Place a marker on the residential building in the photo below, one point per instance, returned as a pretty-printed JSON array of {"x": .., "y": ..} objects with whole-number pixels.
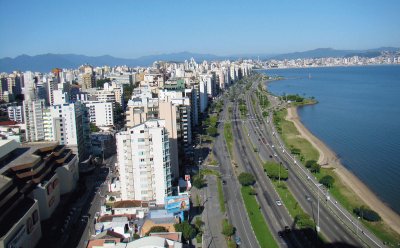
[
  {"x": 144, "y": 162},
  {"x": 33, "y": 116},
  {"x": 15, "y": 113},
  {"x": 32, "y": 178},
  {"x": 101, "y": 113}
]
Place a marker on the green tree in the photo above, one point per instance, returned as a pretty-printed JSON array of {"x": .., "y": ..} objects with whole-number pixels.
[
  {"x": 304, "y": 221},
  {"x": 315, "y": 168},
  {"x": 100, "y": 82},
  {"x": 157, "y": 229},
  {"x": 118, "y": 115},
  {"x": 295, "y": 151},
  {"x": 188, "y": 231},
  {"x": 367, "y": 214},
  {"x": 93, "y": 128},
  {"x": 199, "y": 181},
  {"x": 227, "y": 229},
  {"x": 328, "y": 181},
  {"x": 275, "y": 171},
  {"x": 198, "y": 223},
  {"x": 310, "y": 163},
  {"x": 246, "y": 179},
  {"x": 212, "y": 131}
]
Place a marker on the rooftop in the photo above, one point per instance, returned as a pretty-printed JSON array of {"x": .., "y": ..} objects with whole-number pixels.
[
  {"x": 28, "y": 156},
  {"x": 17, "y": 212},
  {"x": 130, "y": 204}
]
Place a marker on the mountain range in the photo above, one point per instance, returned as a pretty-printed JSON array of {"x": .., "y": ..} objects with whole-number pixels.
[{"x": 46, "y": 62}]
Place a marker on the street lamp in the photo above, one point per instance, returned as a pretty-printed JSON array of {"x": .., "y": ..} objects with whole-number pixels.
[
  {"x": 280, "y": 164},
  {"x": 318, "y": 226}
]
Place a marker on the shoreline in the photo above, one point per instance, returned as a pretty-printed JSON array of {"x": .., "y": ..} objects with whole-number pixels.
[{"x": 327, "y": 158}]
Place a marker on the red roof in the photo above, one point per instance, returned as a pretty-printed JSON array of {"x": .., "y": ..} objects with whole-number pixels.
[{"x": 8, "y": 123}]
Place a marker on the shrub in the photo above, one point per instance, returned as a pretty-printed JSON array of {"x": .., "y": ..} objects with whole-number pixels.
[
  {"x": 246, "y": 179},
  {"x": 310, "y": 163},
  {"x": 304, "y": 221},
  {"x": 273, "y": 171},
  {"x": 367, "y": 214},
  {"x": 227, "y": 229},
  {"x": 198, "y": 181},
  {"x": 188, "y": 231},
  {"x": 157, "y": 229},
  {"x": 327, "y": 181}
]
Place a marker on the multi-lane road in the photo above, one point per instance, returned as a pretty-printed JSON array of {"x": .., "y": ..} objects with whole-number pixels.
[{"x": 335, "y": 229}]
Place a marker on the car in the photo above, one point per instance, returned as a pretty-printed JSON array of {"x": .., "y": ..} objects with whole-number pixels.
[
  {"x": 275, "y": 155},
  {"x": 278, "y": 202},
  {"x": 280, "y": 233},
  {"x": 238, "y": 241},
  {"x": 287, "y": 229},
  {"x": 272, "y": 146},
  {"x": 223, "y": 182}
]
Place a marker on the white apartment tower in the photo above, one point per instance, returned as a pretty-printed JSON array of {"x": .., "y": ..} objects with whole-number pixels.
[
  {"x": 101, "y": 113},
  {"x": 33, "y": 116},
  {"x": 144, "y": 162},
  {"x": 15, "y": 113}
]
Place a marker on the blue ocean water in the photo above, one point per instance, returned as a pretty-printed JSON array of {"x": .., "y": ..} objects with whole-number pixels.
[{"x": 358, "y": 117}]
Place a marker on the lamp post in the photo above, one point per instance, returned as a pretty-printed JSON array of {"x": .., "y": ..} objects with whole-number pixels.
[
  {"x": 318, "y": 226},
  {"x": 102, "y": 148}
]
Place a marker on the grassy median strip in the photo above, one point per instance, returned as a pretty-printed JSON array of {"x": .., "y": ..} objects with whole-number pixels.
[
  {"x": 219, "y": 185},
  {"x": 228, "y": 137},
  {"x": 302, "y": 219},
  {"x": 260, "y": 227},
  {"x": 347, "y": 197},
  {"x": 221, "y": 196}
]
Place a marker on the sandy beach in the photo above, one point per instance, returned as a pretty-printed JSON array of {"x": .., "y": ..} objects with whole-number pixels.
[{"x": 328, "y": 158}]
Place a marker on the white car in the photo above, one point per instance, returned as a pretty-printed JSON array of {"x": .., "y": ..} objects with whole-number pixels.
[{"x": 278, "y": 202}]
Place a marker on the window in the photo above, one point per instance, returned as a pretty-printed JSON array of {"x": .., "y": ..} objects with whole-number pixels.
[
  {"x": 35, "y": 216},
  {"x": 141, "y": 131},
  {"x": 29, "y": 225},
  {"x": 140, "y": 139},
  {"x": 49, "y": 188}
]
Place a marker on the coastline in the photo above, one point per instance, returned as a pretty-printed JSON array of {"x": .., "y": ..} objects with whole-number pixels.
[{"x": 327, "y": 158}]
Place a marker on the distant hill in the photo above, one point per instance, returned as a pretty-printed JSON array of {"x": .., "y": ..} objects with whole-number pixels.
[
  {"x": 330, "y": 52},
  {"x": 46, "y": 62}
]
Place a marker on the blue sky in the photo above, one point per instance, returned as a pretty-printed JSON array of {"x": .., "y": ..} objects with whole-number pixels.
[{"x": 132, "y": 28}]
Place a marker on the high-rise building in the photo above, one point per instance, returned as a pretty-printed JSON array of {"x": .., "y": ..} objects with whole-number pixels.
[
  {"x": 15, "y": 113},
  {"x": 101, "y": 113},
  {"x": 75, "y": 129},
  {"x": 88, "y": 81},
  {"x": 143, "y": 155},
  {"x": 33, "y": 176},
  {"x": 33, "y": 116}
]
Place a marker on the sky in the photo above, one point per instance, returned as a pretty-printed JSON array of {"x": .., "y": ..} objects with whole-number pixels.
[{"x": 134, "y": 28}]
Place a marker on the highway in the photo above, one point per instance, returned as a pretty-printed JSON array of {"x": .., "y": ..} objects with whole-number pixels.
[
  {"x": 301, "y": 183},
  {"x": 236, "y": 211},
  {"x": 276, "y": 216}
]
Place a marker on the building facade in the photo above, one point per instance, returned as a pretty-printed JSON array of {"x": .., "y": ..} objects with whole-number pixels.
[{"x": 144, "y": 162}]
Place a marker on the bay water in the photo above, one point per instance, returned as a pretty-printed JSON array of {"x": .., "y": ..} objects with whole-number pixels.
[{"x": 358, "y": 117}]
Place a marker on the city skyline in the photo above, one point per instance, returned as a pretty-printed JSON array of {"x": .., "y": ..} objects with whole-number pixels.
[{"x": 134, "y": 29}]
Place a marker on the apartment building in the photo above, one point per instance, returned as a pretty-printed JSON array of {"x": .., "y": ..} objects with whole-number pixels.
[{"x": 143, "y": 155}]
